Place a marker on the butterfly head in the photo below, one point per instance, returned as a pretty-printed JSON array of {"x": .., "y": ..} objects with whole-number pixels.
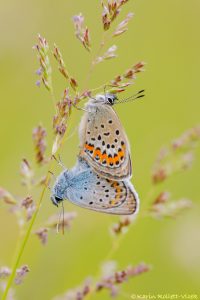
[
  {"x": 108, "y": 98},
  {"x": 59, "y": 188}
]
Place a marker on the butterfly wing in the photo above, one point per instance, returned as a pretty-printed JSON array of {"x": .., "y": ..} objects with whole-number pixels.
[
  {"x": 104, "y": 144},
  {"x": 88, "y": 190}
]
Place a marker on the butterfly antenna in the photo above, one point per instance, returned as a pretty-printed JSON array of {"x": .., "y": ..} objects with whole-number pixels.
[
  {"x": 58, "y": 223},
  {"x": 63, "y": 219},
  {"x": 52, "y": 174},
  {"x": 138, "y": 95},
  {"x": 104, "y": 90}
]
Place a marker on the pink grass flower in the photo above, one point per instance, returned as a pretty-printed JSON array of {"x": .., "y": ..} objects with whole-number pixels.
[
  {"x": 82, "y": 32},
  {"x": 7, "y": 197},
  {"x": 21, "y": 273},
  {"x": 44, "y": 71},
  {"x": 39, "y": 141},
  {"x": 42, "y": 234},
  {"x": 111, "y": 9},
  {"x": 123, "y": 26},
  {"x": 29, "y": 205}
]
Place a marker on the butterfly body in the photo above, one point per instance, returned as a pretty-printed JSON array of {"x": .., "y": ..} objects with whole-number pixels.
[
  {"x": 103, "y": 142},
  {"x": 83, "y": 187}
]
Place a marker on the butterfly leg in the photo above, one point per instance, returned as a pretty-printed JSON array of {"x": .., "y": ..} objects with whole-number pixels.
[
  {"x": 49, "y": 181},
  {"x": 59, "y": 161},
  {"x": 79, "y": 108}
]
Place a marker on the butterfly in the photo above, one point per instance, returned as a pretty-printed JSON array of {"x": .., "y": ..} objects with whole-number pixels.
[
  {"x": 103, "y": 141},
  {"x": 83, "y": 187}
]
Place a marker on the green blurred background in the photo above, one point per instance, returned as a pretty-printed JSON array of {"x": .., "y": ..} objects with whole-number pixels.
[{"x": 164, "y": 34}]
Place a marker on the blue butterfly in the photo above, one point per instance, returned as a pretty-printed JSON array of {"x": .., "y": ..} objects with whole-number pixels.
[{"x": 83, "y": 187}]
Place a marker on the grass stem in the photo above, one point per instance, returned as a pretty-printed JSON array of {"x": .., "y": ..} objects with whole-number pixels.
[{"x": 26, "y": 238}]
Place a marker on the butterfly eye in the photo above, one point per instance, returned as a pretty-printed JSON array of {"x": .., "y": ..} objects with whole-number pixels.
[
  {"x": 110, "y": 100},
  {"x": 58, "y": 199}
]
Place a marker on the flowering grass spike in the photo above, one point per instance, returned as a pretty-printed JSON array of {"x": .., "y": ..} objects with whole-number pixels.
[
  {"x": 109, "y": 54},
  {"x": 61, "y": 64},
  {"x": 39, "y": 135},
  {"x": 44, "y": 72},
  {"x": 122, "y": 27},
  {"x": 120, "y": 82},
  {"x": 177, "y": 157},
  {"x": 81, "y": 32},
  {"x": 111, "y": 9}
]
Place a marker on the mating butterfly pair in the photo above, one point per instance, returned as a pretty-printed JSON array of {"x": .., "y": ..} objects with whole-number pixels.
[{"x": 100, "y": 179}]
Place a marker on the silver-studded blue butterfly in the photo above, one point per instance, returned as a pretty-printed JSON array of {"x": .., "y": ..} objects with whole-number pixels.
[
  {"x": 103, "y": 141},
  {"x": 83, "y": 187}
]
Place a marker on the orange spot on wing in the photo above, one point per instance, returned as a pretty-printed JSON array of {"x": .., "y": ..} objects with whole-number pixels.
[
  {"x": 97, "y": 152},
  {"x": 115, "y": 184},
  {"x": 103, "y": 157},
  {"x": 120, "y": 153},
  {"x": 118, "y": 192},
  {"x": 116, "y": 158},
  {"x": 88, "y": 147},
  {"x": 113, "y": 202},
  {"x": 110, "y": 159},
  {"x": 124, "y": 146}
]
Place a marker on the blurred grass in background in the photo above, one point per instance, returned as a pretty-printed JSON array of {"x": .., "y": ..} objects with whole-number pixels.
[{"x": 165, "y": 34}]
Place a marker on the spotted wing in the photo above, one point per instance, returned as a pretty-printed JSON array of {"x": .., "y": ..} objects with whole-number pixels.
[
  {"x": 89, "y": 190},
  {"x": 104, "y": 144}
]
